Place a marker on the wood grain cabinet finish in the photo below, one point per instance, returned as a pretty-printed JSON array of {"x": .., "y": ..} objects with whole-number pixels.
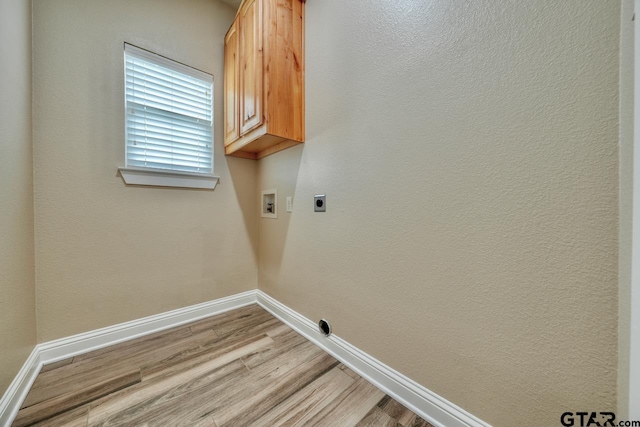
[
  {"x": 231, "y": 86},
  {"x": 264, "y": 78}
]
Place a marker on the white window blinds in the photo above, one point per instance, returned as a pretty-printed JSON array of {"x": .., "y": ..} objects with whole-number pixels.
[{"x": 169, "y": 114}]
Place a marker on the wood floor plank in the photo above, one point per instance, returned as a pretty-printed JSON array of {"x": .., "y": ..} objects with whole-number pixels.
[
  {"x": 52, "y": 407},
  {"x": 349, "y": 372},
  {"x": 419, "y": 422},
  {"x": 307, "y": 402},
  {"x": 191, "y": 402},
  {"x": 250, "y": 314},
  {"x": 74, "y": 418},
  {"x": 79, "y": 375},
  {"x": 248, "y": 326},
  {"x": 287, "y": 361},
  {"x": 241, "y": 368},
  {"x": 350, "y": 407},
  {"x": 283, "y": 343},
  {"x": 186, "y": 360},
  {"x": 150, "y": 389},
  {"x": 56, "y": 365},
  {"x": 272, "y": 392},
  {"x": 377, "y": 418},
  {"x": 171, "y": 406},
  {"x": 404, "y": 416},
  {"x": 137, "y": 345},
  {"x": 168, "y": 406},
  {"x": 103, "y": 357},
  {"x": 209, "y": 350},
  {"x": 282, "y": 329}
]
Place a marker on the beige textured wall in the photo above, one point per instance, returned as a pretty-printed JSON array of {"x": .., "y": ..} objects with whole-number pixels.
[
  {"x": 469, "y": 155},
  {"x": 107, "y": 253},
  {"x": 626, "y": 194},
  {"x": 17, "y": 293}
]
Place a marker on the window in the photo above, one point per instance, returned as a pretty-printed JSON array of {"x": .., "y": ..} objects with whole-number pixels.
[{"x": 169, "y": 122}]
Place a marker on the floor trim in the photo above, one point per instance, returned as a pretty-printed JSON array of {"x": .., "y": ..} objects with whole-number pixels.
[
  {"x": 54, "y": 351},
  {"x": 18, "y": 389},
  {"x": 427, "y": 404},
  {"x": 430, "y": 406}
]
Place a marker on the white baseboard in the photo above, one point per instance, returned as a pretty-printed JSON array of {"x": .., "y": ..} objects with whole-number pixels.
[
  {"x": 54, "y": 351},
  {"x": 431, "y": 407},
  {"x": 18, "y": 389},
  {"x": 425, "y": 403}
]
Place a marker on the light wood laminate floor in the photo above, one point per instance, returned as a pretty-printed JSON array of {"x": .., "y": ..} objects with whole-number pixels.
[{"x": 241, "y": 368}]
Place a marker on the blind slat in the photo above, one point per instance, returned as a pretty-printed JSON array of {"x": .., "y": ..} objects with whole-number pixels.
[
  {"x": 140, "y": 112},
  {"x": 173, "y": 158},
  {"x": 162, "y": 165},
  {"x": 183, "y": 96},
  {"x": 160, "y": 103},
  {"x": 149, "y": 67},
  {"x": 134, "y": 75},
  {"x": 141, "y": 141},
  {"x": 187, "y": 138}
]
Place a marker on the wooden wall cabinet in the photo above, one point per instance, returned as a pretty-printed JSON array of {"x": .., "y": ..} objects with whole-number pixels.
[{"x": 264, "y": 78}]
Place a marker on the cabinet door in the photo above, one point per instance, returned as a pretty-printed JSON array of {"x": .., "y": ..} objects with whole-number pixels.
[
  {"x": 250, "y": 32},
  {"x": 231, "y": 86}
]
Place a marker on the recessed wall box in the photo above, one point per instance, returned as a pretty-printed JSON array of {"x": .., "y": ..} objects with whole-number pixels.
[
  {"x": 269, "y": 204},
  {"x": 320, "y": 203}
]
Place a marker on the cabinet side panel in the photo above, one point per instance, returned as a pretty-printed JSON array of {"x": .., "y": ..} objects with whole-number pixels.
[
  {"x": 231, "y": 87},
  {"x": 285, "y": 69}
]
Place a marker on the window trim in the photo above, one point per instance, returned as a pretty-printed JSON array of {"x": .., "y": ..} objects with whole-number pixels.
[
  {"x": 167, "y": 178},
  {"x": 155, "y": 177}
]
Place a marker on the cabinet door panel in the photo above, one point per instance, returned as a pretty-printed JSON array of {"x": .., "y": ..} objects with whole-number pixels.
[
  {"x": 250, "y": 33},
  {"x": 231, "y": 86}
]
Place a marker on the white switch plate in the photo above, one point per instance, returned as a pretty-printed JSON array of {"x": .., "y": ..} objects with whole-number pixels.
[{"x": 289, "y": 204}]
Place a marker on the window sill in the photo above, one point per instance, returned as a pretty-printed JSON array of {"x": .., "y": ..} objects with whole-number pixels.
[{"x": 167, "y": 178}]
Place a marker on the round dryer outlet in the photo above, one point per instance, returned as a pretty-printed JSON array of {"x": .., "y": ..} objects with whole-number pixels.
[{"x": 325, "y": 327}]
